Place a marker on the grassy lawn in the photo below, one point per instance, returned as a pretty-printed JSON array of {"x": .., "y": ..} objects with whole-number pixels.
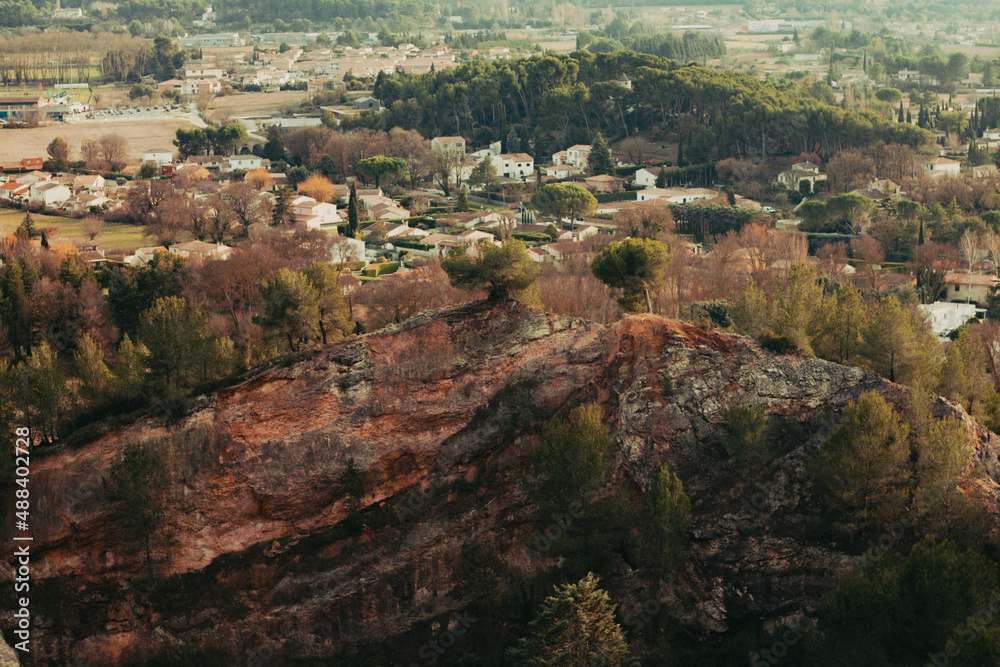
[{"x": 116, "y": 235}]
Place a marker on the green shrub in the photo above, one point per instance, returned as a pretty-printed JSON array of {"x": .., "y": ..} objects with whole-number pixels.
[
  {"x": 748, "y": 441},
  {"x": 777, "y": 344},
  {"x": 380, "y": 269}
]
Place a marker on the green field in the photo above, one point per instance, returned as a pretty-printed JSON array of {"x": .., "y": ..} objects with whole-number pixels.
[{"x": 116, "y": 235}]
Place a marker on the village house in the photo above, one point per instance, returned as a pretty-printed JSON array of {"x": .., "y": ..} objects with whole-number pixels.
[
  {"x": 646, "y": 177},
  {"x": 942, "y": 167},
  {"x": 201, "y": 249},
  {"x": 967, "y": 287},
  {"x": 604, "y": 183},
  {"x": 513, "y": 165},
  {"x": 88, "y": 182},
  {"x": 315, "y": 214},
  {"x": 244, "y": 162},
  {"x": 677, "y": 195},
  {"x": 83, "y": 202},
  {"x": 562, "y": 171},
  {"x": 195, "y": 69},
  {"x": 792, "y": 178},
  {"x": 473, "y": 219},
  {"x": 94, "y": 258},
  {"x": 33, "y": 177},
  {"x": 191, "y": 86},
  {"x": 14, "y": 191},
  {"x": 142, "y": 256},
  {"x": 367, "y": 104},
  {"x": 575, "y": 155},
  {"x": 944, "y": 317},
  {"x": 450, "y": 145},
  {"x": 387, "y": 211},
  {"x": 49, "y": 193},
  {"x": 207, "y": 161}
]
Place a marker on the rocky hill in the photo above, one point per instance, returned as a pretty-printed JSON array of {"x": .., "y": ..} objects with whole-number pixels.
[{"x": 266, "y": 555}]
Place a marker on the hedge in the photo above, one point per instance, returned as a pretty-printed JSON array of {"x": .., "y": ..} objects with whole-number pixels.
[
  {"x": 415, "y": 245},
  {"x": 533, "y": 238},
  {"x": 382, "y": 269},
  {"x": 625, "y": 195}
]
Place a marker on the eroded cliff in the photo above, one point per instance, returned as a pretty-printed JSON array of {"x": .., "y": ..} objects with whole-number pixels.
[{"x": 264, "y": 553}]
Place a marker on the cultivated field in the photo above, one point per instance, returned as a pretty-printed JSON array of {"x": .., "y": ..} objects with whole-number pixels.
[
  {"x": 115, "y": 236},
  {"x": 141, "y": 136},
  {"x": 254, "y": 104}
]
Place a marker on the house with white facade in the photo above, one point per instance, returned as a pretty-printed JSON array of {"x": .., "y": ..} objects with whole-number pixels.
[
  {"x": 942, "y": 167},
  {"x": 974, "y": 287},
  {"x": 49, "y": 193},
  {"x": 244, "y": 162},
  {"x": 944, "y": 317},
  {"x": 575, "y": 155},
  {"x": 14, "y": 191},
  {"x": 158, "y": 156},
  {"x": 201, "y": 249},
  {"x": 676, "y": 195},
  {"x": 646, "y": 177},
  {"x": 201, "y": 70},
  {"x": 514, "y": 165},
  {"x": 449, "y": 145},
  {"x": 801, "y": 171},
  {"x": 88, "y": 182},
  {"x": 315, "y": 214}
]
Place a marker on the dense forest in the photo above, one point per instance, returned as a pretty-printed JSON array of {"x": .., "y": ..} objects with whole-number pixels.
[
  {"x": 561, "y": 100},
  {"x": 265, "y": 11},
  {"x": 687, "y": 47}
]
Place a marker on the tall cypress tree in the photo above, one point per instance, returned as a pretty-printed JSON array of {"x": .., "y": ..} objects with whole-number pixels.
[
  {"x": 901, "y": 116},
  {"x": 352, "y": 213},
  {"x": 599, "y": 159},
  {"x": 680, "y": 152}
]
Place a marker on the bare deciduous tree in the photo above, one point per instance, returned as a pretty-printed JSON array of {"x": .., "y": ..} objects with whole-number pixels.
[
  {"x": 93, "y": 225},
  {"x": 113, "y": 150},
  {"x": 968, "y": 245}
]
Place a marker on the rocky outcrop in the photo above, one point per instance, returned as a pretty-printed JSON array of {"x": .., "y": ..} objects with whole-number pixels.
[{"x": 264, "y": 549}]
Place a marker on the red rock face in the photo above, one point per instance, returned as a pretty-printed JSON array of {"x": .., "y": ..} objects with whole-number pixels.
[{"x": 261, "y": 548}]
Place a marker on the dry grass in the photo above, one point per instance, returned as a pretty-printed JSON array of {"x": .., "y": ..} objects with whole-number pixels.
[
  {"x": 141, "y": 136},
  {"x": 115, "y": 235},
  {"x": 254, "y": 104}
]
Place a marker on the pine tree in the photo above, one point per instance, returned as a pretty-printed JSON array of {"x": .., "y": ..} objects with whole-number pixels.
[
  {"x": 862, "y": 470},
  {"x": 281, "y": 213},
  {"x": 28, "y": 226},
  {"x": 129, "y": 495},
  {"x": 670, "y": 512},
  {"x": 352, "y": 213},
  {"x": 575, "y": 626},
  {"x": 599, "y": 159}
]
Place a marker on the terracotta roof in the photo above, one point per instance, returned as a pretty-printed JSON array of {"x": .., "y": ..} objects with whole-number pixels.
[{"x": 966, "y": 278}]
